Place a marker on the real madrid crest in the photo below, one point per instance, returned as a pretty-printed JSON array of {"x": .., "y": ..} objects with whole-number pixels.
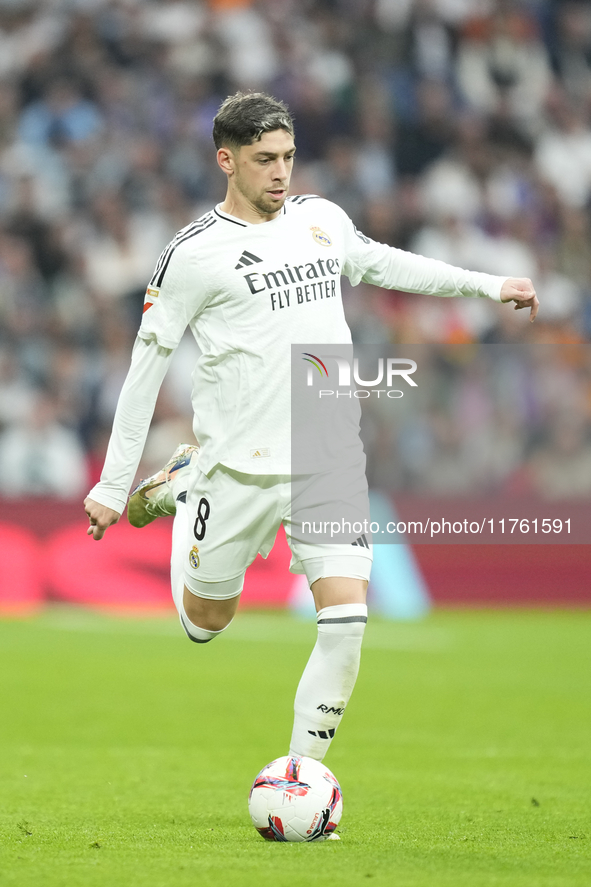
[
  {"x": 194, "y": 557},
  {"x": 320, "y": 236}
]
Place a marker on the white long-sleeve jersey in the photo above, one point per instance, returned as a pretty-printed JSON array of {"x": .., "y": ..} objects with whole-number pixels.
[{"x": 248, "y": 292}]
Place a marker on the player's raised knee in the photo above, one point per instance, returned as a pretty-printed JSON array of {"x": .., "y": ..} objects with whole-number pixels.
[{"x": 211, "y": 615}]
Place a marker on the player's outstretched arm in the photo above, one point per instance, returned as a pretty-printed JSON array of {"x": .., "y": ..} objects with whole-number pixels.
[
  {"x": 398, "y": 269},
  {"x": 521, "y": 291},
  {"x": 101, "y": 518},
  {"x": 106, "y": 501}
]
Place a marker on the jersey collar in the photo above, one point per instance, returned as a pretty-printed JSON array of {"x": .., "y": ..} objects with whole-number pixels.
[{"x": 241, "y": 222}]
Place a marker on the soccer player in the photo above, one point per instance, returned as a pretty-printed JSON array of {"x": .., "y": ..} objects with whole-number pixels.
[{"x": 258, "y": 273}]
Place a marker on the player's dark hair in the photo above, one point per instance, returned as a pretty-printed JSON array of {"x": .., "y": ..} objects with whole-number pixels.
[{"x": 244, "y": 117}]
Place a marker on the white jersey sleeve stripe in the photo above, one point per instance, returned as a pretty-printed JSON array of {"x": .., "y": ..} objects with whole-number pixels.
[
  {"x": 308, "y": 197},
  {"x": 188, "y": 236},
  {"x": 165, "y": 252},
  {"x": 179, "y": 236},
  {"x": 301, "y": 197}
]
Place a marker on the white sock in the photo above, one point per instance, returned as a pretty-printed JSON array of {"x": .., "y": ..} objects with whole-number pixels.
[
  {"x": 199, "y": 635},
  {"x": 180, "y": 530},
  {"x": 328, "y": 679}
]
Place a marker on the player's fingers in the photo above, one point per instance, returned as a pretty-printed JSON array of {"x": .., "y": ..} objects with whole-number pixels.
[
  {"x": 98, "y": 532},
  {"x": 527, "y": 300},
  {"x": 533, "y": 312},
  {"x": 534, "y": 308},
  {"x": 523, "y": 295}
]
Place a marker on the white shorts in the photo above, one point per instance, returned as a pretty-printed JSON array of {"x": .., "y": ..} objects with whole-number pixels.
[{"x": 233, "y": 517}]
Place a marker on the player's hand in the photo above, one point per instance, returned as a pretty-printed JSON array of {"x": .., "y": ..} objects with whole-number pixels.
[
  {"x": 521, "y": 291},
  {"x": 100, "y": 517}
]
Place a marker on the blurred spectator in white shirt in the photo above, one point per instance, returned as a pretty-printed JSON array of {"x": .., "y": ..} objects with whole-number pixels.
[
  {"x": 503, "y": 56},
  {"x": 41, "y": 457},
  {"x": 563, "y": 152}
]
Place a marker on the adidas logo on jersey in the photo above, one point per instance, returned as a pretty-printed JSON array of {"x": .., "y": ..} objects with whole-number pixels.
[{"x": 246, "y": 259}]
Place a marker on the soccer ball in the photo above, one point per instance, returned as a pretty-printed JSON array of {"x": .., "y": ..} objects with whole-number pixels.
[{"x": 295, "y": 799}]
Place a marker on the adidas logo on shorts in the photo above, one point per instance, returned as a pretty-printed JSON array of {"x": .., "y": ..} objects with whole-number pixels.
[{"x": 260, "y": 453}]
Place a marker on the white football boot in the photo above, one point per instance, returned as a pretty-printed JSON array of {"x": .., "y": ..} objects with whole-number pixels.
[{"x": 154, "y": 497}]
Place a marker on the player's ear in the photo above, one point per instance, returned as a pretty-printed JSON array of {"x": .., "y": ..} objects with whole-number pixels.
[{"x": 226, "y": 160}]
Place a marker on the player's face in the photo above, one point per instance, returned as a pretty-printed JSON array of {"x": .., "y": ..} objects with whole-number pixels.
[{"x": 262, "y": 171}]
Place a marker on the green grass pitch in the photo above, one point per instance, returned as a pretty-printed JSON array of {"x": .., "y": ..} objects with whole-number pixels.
[{"x": 126, "y": 753}]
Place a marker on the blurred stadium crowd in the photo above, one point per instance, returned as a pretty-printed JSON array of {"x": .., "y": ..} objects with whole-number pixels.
[
  {"x": 488, "y": 419},
  {"x": 459, "y": 129}
]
